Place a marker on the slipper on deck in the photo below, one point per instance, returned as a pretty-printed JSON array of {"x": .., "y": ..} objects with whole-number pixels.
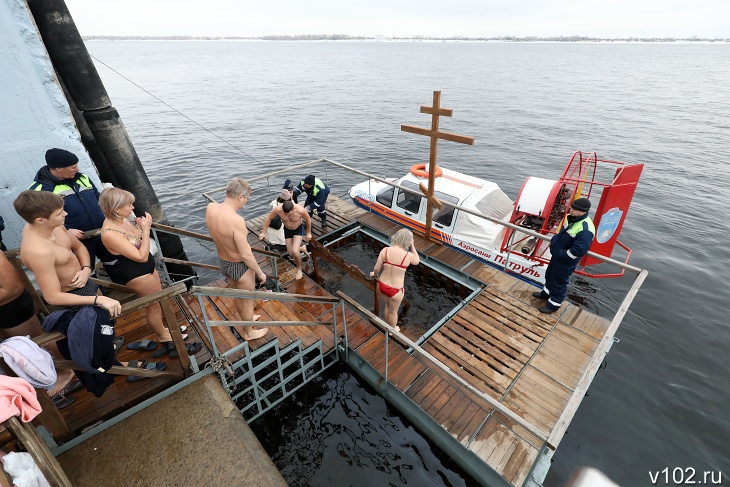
[
  {"x": 62, "y": 401},
  {"x": 192, "y": 349},
  {"x": 166, "y": 348},
  {"x": 143, "y": 345},
  {"x": 118, "y": 342},
  {"x": 143, "y": 364},
  {"x": 72, "y": 386}
]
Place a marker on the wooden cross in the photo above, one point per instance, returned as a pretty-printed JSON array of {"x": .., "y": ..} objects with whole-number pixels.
[{"x": 435, "y": 134}]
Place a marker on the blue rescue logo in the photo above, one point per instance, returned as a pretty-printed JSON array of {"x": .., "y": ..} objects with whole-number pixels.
[{"x": 608, "y": 225}]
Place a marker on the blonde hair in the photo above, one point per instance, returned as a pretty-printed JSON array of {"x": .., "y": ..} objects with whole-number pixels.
[
  {"x": 111, "y": 199},
  {"x": 236, "y": 187},
  {"x": 402, "y": 238}
]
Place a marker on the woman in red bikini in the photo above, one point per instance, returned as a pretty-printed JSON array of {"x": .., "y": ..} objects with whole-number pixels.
[{"x": 394, "y": 261}]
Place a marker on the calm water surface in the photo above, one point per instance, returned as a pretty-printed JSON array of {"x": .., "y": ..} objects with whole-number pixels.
[{"x": 663, "y": 399}]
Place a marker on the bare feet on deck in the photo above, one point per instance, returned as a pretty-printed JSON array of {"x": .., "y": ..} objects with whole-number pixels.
[
  {"x": 253, "y": 334},
  {"x": 299, "y": 274}
]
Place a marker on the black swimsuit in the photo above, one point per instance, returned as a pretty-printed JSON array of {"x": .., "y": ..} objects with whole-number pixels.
[
  {"x": 17, "y": 311},
  {"x": 123, "y": 269}
]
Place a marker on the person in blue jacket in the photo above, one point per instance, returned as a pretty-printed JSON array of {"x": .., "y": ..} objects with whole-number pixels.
[
  {"x": 61, "y": 176},
  {"x": 317, "y": 193},
  {"x": 567, "y": 247}
]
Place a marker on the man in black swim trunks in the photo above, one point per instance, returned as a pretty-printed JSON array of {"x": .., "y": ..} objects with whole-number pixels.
[
  {"x": 295, "y": 219},
  {"x": 17, "y": 316},
  {"x": 16, "y": 304}
]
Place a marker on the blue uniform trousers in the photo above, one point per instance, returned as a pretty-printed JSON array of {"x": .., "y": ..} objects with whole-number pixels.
[{"x": 557, "y": 276}]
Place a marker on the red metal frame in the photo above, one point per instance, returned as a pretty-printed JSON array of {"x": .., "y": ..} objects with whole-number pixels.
[{"x": 581, "y": 177}]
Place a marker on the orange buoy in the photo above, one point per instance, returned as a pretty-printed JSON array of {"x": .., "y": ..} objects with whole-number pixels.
[{"x": 420, "y": 171}]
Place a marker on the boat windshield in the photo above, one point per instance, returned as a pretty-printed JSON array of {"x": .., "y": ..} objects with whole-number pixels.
[
  {"x": 445, "y": 215},
  {"x": 409, "y": 201}
]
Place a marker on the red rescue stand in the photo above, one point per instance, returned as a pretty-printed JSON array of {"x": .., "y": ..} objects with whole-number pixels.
[{"x": 542, "y": 206}]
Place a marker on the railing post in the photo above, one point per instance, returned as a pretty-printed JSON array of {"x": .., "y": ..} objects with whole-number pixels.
[
  {"x": 34, "y": 444},
  {"x": 314, "y": 266},
  {"x": 344, "y": 321},
  {"x": 216, "y": 353},
  {"x": 376, "y": 305},
  {"x": 386, "y": 357},
  {"x": 177, "y": 339},
  {"x": 334, "y": 329},
  {"x": 166, "y": 277}
]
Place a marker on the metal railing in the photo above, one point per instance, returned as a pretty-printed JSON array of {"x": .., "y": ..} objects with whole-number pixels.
[
  {"x": 244, "y": 370},
  {"x": 390, "y": 332},
  {"x": 371, "y": 177}
]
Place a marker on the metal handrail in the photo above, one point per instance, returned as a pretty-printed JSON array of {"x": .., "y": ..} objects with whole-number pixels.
[
  {"x": 207, "y": 194},
  {"x": 205, "y": 291},
  {"x": 524, "y": 230},
  {"x": 398, "y": 336},
  {"x": 497, "y": 221}
]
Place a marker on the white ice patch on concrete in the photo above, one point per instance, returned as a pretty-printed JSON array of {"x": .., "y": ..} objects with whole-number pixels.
[{"x": 34, "y": 113}]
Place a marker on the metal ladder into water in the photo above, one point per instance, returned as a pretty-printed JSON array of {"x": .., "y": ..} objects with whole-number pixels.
[{"x": 268, "y": 375}]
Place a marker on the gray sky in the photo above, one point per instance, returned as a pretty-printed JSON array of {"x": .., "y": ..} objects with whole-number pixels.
[{"x": 472, "y": 18}]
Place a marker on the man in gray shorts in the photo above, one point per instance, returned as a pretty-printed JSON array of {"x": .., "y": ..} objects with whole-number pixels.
[{"x": 238, "y": 264}]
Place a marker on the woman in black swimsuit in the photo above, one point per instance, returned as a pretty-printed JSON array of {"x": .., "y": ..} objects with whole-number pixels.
[{"x": 134, "y": 266}]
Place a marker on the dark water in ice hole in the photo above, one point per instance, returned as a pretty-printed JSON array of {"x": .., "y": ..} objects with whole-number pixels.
[
  {"x": 429, "y": 301},
  {"x": 337, "y": 431}
]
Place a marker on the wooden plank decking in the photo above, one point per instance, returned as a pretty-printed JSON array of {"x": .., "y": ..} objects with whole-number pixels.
[
  {"x": 88, "y": 409},
  {"x": 498, "y": 342}
]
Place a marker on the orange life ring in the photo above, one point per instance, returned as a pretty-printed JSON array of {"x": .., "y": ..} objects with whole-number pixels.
[{"x": 420, "y": 171}]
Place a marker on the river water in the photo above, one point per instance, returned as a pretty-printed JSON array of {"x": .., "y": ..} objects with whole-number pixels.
[{"x": 662, "y": 400}]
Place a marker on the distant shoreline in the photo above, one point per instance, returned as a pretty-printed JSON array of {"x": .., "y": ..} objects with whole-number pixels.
[{"x": 340, "y": 37}]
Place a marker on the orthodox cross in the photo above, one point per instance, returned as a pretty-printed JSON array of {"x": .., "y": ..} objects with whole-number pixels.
[{"x": 435, "y": 111}]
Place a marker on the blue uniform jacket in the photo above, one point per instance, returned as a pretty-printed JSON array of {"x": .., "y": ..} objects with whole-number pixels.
[
  {"x": 567, "y": 249},
  {"x": 318, "y": 192},
  {"x": 80, "y": 198}
]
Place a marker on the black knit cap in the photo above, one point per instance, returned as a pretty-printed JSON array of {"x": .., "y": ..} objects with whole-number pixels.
[
  {"x": 581, "y": 204},
  {"x": 288, "y": 185},
  {"x": 309, "y": 179},
  {"x": 60, "y": 158}
]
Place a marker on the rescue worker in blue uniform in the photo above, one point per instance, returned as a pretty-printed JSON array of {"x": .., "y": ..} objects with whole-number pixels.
[
  {"x": 567, "y": 247},
  {"x": 317, "y": 193},
  {"x": 80, "y": 198}
]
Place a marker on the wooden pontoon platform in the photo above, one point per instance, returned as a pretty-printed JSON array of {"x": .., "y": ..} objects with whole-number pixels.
[
  {"x": 499, "y": 342},
  {"x": 532, "y": 364}
]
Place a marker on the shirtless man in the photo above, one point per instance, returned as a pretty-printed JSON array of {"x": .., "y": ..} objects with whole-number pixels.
[
  {"x": 60, "y": 262},
  {"x": 238, "y": 264},
  {"x": 17, "y": 316},
  {"x": 295, "y": 218}
]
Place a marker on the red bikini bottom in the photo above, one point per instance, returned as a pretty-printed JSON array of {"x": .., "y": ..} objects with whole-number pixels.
[{"x": 387, "y": 290}]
